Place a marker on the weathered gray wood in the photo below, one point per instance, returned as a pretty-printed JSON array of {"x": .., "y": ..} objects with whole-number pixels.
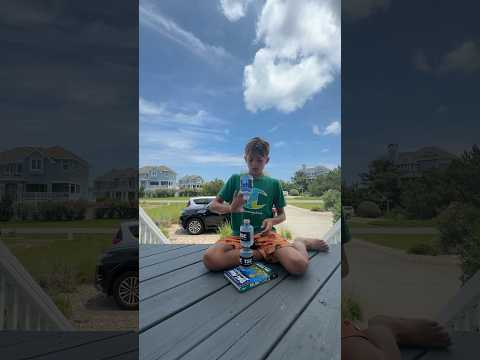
[
  {"x": 465, "y": 346},
  {"x": 170, "y": 266},
  {"x": 316, "y": 333},
  {"x": 168, "y": 281},
  {"x": 170, "y": 255},
  {"x": 149, "y": 250},
  {"x": 36, "y": 343},
  {"x": 105, "y": 348},
  {"x": 177, "y": 335},
  {"x": 157, "y": 308},
  {"x": 254, "y": 332}
]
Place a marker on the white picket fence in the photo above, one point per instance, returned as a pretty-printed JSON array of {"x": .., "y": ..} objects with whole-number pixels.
[
  {"x": 149, "y": 231},
  {"x": 23, "y": 303}
]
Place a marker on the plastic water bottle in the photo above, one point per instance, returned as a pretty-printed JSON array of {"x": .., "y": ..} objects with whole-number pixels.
[
  {"x": 246, "y": 259},
  {"x": 246, "y": 185},
  {"x": 246, "y": 241},
  {"x": 246, "y": 234}
]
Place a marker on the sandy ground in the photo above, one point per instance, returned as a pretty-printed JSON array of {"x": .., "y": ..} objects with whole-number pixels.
[
  {"x": 301, "y": 222},
  {"x": 389, "y": 281},
  {"x": 93, "y": 310}
]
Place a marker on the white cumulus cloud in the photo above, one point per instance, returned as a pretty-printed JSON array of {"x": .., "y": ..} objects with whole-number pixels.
[
  {"x": 316, "y": 130},
  {"x": 465, "y": 58},
  {"x": 300, "y": 55},
  {"x": 334, "y": 128},
  {"x": 234, "y": 9}
]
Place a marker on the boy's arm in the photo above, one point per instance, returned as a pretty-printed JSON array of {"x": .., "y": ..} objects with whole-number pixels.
[
  {"x": 268, "y": 224},
  {"x": 219, "y": 206}
]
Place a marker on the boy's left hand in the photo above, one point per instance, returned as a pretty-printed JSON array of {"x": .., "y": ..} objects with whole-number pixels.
[{"x": 267, "y": 225}]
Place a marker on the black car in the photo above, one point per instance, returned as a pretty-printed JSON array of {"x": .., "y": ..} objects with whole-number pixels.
[
  {"x": 196, "y": 218},
  {"x": 117, "y": 275}
]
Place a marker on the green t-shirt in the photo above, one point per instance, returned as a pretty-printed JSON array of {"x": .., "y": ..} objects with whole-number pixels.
[{"x": 266, "y": 193}]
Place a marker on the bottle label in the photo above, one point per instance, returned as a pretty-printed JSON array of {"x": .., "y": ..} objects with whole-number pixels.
[{"x": 246, "y": 261}]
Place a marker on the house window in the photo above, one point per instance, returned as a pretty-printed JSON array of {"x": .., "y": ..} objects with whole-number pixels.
[
  {"x": 36, "y": 164},
  {"x": 36, "y": 187},
  {"x": 72, "y": 188},
  {"x": 60, "y": 187},
  {"x": 19, "y": 169},
  {"x": 77, "y": 188},
  {"x": 65, "y": 164},
  {"x": 154, "y": 183}
]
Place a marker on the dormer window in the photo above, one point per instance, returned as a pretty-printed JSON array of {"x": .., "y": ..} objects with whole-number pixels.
[{"x": 36, "y": 164}]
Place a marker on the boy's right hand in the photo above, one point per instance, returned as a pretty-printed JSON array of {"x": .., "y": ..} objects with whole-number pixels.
[{"x": 237, "y": 202}]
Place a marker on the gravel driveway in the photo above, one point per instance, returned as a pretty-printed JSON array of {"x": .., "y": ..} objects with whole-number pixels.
[{"x": 301, "y": 222}]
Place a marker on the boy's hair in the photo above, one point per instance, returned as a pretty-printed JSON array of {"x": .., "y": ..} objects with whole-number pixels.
[{"x": 257, "y": 146}]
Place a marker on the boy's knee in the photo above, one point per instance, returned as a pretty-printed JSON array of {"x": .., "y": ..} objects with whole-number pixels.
[
  {"x": 298, "y": 266},
  {"x": 210, "y": 260}
]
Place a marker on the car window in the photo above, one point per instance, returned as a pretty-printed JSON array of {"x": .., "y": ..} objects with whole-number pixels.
[
  {"x": 202, "y": 201},
  {"x": 134, "y": 230}
]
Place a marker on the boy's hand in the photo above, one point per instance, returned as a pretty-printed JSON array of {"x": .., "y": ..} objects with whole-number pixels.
[
  {"x": 267, "y": 225},
  {"x": 237, "y": 202}
]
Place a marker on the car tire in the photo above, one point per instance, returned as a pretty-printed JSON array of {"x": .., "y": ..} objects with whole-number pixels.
[
  {"x": 195, "y": 226},
  {"x": 125, "y": 290}
]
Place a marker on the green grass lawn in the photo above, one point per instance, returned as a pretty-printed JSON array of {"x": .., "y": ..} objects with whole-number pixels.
[
  {"x": 97, "y": 223},
  {"x": 156, "y": 200},
  {"x": 358, "y": 222},
  {"x": 290, "y": 198},
  {"x": 399, "y": 241},
  {"x": 43, "y": 255},
  {"x": 309, "y": 206}
]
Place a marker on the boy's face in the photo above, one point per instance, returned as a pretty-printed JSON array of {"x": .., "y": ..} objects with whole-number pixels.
[{"x": 256, "y": 164}]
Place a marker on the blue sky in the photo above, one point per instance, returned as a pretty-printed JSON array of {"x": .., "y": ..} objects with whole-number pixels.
[
  {"x": 414, "y": 82},
  {"x": 214, "y": 74}
]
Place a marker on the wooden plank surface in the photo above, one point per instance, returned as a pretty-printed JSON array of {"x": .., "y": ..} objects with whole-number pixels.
[
  {"x": 168, "y": 281},
  {"x": 213, "y": 322},
  {"x": 45, "y": 344},
  {"x": 170, "y": 255},
  {"x": 170, "y": 266},
  {"x": 316, "y": 333},
  {"x": 149, "y": 250},
  {"x": 253, "y": 333},
  {"x": 179, "y": 334}
]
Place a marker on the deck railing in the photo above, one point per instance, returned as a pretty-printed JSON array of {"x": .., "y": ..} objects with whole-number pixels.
[
  {"x": 462, "y": 313},
  {"x": 149, "y": 231},
  {"x": 23, "y": 303},
  {"x": 334, "y": 235}
]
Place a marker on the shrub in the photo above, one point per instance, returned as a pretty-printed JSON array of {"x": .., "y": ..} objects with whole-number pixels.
[
  {"x": 116, "y": 210},
  {"x": 189, "y": 192},
  {"x": 163, "y": 193},
  {"x": 6, "y": 210},
  {"x": 470, "y": 254},
  {"x": 224, "y": 230},
  {"x": 455, "y": 224},
  {"x": 351, "y": 309},
  {"x": 423, "y": 249},
  {"x": 333, "y": 202},
  {"x": 293, "y": 192},
  {"x": 286, "y": 233},
  {"x": 368, "y": 209}
]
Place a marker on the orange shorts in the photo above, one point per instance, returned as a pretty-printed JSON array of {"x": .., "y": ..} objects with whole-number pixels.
[{"x": 265, "y": 244}]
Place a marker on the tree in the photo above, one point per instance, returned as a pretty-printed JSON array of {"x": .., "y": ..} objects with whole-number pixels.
[
  {"x": 383, "y": 182},
  {"x": 329, "y": 181},
  {"x": 286, "y": 185},
  {"x": 300, "y": 181},
  {"x": 212, "y": 187}
]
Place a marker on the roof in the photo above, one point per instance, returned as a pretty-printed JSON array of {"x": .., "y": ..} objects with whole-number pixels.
[
  {"x": 118, "y": 174},
  {"x": 53, "y": 152},
  {"x": 191, "y": 178},
  {"x": 161, "y": 168},
  {"x": 428, "y": 152}
]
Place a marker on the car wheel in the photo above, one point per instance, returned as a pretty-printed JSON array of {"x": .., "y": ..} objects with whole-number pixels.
[
  {"x": 125, "y": 290},
  {"x": 195, "y": 226}
]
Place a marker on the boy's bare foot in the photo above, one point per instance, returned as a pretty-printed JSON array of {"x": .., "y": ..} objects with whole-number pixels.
[
  {"x": 414, "y": 332},
  {"x": 314, "y": 244}
]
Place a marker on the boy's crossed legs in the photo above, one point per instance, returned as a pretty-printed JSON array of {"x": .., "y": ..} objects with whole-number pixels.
[{"x": 293, "y": 256}]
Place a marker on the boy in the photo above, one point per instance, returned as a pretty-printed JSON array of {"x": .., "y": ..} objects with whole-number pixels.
[
  {"x": 266, "y": 194},
  {"x": 384, "y": 335}
]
